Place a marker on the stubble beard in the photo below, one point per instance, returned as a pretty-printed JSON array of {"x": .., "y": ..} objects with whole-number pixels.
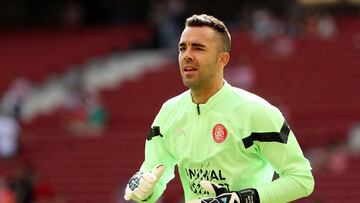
[{"x": 191, "y": 83}]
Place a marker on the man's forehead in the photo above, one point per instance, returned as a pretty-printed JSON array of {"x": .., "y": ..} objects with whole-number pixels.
[{"x": 197, "y": 34}]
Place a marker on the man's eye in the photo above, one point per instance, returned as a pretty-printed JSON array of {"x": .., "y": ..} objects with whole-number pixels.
[{"x": 181, "y": 48}]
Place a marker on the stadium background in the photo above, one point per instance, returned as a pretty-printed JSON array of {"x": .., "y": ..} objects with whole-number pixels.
[{"x": 63, "y": 59}]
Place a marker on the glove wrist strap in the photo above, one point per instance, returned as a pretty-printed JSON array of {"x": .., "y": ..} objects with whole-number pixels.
[{"x": 249, "y": 196}]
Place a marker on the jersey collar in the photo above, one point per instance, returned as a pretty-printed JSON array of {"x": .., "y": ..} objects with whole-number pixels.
[{"x": 215, "y": 99}]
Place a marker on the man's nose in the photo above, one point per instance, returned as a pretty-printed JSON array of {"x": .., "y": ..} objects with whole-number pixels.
[{"x": 188, "y": 55}]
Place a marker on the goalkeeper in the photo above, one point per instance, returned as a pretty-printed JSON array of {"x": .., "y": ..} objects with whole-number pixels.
[{"x": 226, "y": 142}]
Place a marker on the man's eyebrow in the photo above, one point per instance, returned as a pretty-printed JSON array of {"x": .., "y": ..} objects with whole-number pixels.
[
  {"x": 181, "y": 44},
  {"x": 198, "y": 45},
  {"x": 192, "y": 44}
]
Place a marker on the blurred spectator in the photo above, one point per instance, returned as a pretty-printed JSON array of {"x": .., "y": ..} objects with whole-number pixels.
[
  {"x": 353, "y": 139},
  {"x": 319, "y": 25},
  {"x": 9, "y": 135},
  {"x": 338, "y": 158},
  {"x": 168, "y": 16},
  {"x": 97, "y": 115},
  {"x": 310, "y": 24},
  {"x": 326, "y": 27},
  {"x": 6, "y": 195},
  {"x": 86, "y": 114},
  {"x": 272, "y": 33},
  {"x": 21, "y": 182},
  {"x": 294, "y": 17},
  {"x": 75, "y": 111},
  {"x": 73, "y": 82},
  {"x": 15, "y": 96},
  {"x": 265, "y": 26}
]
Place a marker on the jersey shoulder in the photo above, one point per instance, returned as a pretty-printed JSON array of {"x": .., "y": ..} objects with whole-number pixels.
[
  {"x": 261, "y": 115},
  {"x": 250, "y": 100},
  {"x": 177, "y": 100},
  {"x": 174, "y": 104}
]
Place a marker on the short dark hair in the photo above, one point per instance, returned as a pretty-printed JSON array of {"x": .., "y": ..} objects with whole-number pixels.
[{"x": 214, "y": 23}]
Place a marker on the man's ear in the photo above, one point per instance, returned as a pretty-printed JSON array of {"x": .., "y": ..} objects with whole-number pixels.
[{"x": 224, "y": 59}]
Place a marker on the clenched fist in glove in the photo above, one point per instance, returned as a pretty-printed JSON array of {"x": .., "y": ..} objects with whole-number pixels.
[
  {"x": 141, "y": 185},
  {"x": 225, "y": 196}
]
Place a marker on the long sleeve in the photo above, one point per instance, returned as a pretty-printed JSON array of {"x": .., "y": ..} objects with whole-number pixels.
[
  {"x": 295, "y": 179},
  {"x": 285, "y": 156},
  {"x": 157, "y": 152}
]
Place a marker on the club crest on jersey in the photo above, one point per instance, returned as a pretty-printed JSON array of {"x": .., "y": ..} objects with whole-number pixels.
[{"x": 219, "y": 133}]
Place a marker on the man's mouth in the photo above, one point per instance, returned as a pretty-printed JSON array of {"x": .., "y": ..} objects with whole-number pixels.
[{"x": 189, "y": 68}]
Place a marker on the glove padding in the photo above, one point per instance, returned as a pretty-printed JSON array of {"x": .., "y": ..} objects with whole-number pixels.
[
  {"x": 141, "y": 185},
  {"x": 223, "y": 195}
]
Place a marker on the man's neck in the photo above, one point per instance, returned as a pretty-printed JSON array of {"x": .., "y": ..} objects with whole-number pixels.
[{"x": 202, "y": 95}]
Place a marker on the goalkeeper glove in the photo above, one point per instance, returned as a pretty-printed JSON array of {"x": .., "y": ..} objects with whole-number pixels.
[
  {"x": 141, "y": 185},
  {"x": 223, "y": 195}
]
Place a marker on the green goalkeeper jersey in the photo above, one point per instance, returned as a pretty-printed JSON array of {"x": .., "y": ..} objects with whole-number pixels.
[{"x": 236, "y": 139}]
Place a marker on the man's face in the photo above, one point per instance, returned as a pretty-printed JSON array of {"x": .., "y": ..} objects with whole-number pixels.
[{"x": 200, "y": 51}]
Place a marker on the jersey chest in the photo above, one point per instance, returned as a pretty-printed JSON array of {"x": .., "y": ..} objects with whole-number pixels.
[
  {"x": 205, "y": 136},
  {"x": 209, "y": 147}
]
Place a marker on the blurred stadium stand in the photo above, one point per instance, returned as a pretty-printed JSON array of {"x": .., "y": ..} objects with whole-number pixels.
[
  {"x": 319, "y": 85},
  {"x": 36, "y": 53}
]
